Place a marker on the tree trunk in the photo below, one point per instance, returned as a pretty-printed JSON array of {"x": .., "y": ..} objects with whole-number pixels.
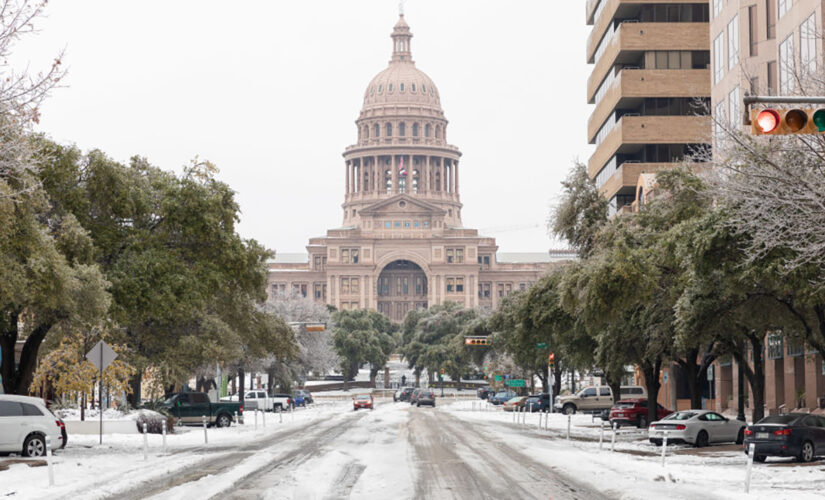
[
  {"x": 83, "y": 407},
  {"x": 758, "y": 382},
  {"x": 556, "y": 384},
  {"x": 417, "y": 377},
  {"x": 133, "y": 398},
  {"x": 270, "y": 374},
  {"x": 373, "y": 375},
  {"x": 16, "y": 380},
  {"x": 651, "y": 374},
  {"x": 573, "y": 381},
  {"x": 241, "y": 381}
]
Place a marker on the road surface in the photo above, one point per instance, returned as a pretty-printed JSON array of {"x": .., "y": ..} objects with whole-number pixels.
[{"x": 395, "y": 451}]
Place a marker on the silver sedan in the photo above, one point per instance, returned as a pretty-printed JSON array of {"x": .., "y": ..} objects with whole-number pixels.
[{"x": 697, "y": 427}]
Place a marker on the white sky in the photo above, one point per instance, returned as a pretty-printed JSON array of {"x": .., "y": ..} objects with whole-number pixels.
[{"x": 270, "y": 90}]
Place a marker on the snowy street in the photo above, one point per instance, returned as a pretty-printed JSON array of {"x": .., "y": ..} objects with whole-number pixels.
[{"x": 453, "y": 451}]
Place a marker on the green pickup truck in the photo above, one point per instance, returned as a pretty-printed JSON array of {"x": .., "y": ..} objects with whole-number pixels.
[{"x": 190, "y": 408}]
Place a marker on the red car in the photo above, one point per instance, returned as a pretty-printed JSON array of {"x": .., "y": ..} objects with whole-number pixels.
[
  {"x": 634, "y": 412},
  {"x": 362, "y": 401}
]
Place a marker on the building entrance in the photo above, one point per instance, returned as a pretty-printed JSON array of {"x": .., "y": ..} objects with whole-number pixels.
[{"x": 402, "y": 287}]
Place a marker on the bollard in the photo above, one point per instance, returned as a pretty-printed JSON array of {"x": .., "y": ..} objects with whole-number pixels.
[
  {"x": 613, "y": 440},
  {"x": 49, "y": 459},
  {"x": 751, "y": 453},
  {"x": 163, "y": 431},
  {"x": 256, "y": 418},
  {"x": 664, "y": 448},
  {"x": 292, "y": 413},
  {"x": 263, "y": 418},
  {"x": 236, "y": 418},
  {"x": 601, "y": 435},
  {"x": 568, "y": 426},
  {"x": 205, "y": 437},
  {"x": 145, "y": 442},
  {"x": 280, "y": 415}
]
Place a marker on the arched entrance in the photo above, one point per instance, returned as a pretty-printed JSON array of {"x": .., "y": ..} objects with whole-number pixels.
[{"x": 402, "y": 287}]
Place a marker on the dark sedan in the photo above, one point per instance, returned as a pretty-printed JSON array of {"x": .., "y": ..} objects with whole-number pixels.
[
  {"x": 799, "y": 435},
  {"x": 538, "y": 402},
  {"x": 425, "y": 397},
  {"x": 501, "y": 397}
]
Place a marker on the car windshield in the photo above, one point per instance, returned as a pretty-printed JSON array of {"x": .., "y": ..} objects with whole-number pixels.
[
  {"x": 533, "y": 400},
  {"x": 625, "y": 404},
  {"x": 778, "y": 419},
  {"x": 681, "y": 415},
  {"x": 170, "y": 400},
  {"x": 363, "y": 397}
]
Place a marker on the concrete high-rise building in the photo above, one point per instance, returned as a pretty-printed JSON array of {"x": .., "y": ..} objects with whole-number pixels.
[
  {"x": 767, "y": 47},
  {"x": 650, "y": 85},
  {"x": 402, "y": 245}
]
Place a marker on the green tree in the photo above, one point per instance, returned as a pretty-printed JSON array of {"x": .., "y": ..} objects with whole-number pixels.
[{"x": 360, "y": 337}]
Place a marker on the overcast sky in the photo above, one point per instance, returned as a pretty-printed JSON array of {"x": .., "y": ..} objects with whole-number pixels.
[{"x": 270, "y": 90}]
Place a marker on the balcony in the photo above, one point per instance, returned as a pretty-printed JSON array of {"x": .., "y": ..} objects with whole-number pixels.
[
  {"x": 641, "y": 83},
  {"x": 642, "y": 37},
  {"x": 627, "y": 174},
  {"x": 649, "y": 130}
]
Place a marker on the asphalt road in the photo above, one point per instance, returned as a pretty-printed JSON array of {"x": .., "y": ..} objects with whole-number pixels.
[{"x": 395, "y": 451}]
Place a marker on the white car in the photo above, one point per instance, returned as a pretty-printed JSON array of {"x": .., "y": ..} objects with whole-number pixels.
[
  {"x": 24, "y": 424},
  {"x": 697, "y": 427}
]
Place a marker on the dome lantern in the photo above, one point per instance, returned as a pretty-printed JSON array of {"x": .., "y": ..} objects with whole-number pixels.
[{"x": 401, "y": 37}]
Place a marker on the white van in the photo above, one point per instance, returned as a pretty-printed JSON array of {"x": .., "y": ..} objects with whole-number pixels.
[{"x": 24, "y": 424}]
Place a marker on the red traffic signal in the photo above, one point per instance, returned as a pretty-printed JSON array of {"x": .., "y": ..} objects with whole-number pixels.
[
  {"x": 476, "y": 341},
  {"x": 788, "y": 121}
]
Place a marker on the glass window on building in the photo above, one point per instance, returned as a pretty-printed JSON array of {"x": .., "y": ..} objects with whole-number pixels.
[
  {"x": 786, "y": 66},
  {"x": 354, "y": 286},
  {"x": 733, "y": 42},
  {"x": 807, "y": 45},
  {"x": 717, "y": 7},
  {"x": 770, "y": 18},
  {"x": 344, "y": 286},
  {"x": 772, "y": 78},
  {"x": 774, "y": 345},
  {"x": 784, "y": 6},
  {"x": 735, "y": 106},
  {"x": 718, "y": 57},
  {"x": 753, "y": 34},
  {"x": 450, "y": 285}
]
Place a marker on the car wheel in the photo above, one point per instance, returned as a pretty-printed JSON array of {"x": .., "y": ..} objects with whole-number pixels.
[
  {"x": 701, "y": 439},
  {"x": 418, "y": 405},
  {"x": 642, "y": 422},
  {"x": 569, "y": 409},
  {"x": 34, "y": 446},
  {"x": 657, "y": 442},
  {"x": 224, "y": 420},
  {"x": 740, "y": 437},
  {"x": 759, "y": 458},
  {"x": 806, "y": 454}
]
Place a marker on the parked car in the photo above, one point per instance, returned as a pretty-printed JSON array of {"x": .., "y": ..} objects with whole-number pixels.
[
  {"x": 282, "y": 402},
  {"x": 482, "y": 392},
  {"x": 190, "y": 408},
  {"x": 362, "y": 401},
  {"x": 799, "y": 435},
  {"x": 596, "y": 398},
  {"x": 253, "y": 400},
  {"x": 634, "y": 412},
  {"x": 298, "y": 400},
  {"x": 697, "y": 427},
  {"x": 425, "y": 397},
  {"x": 500, "y": 397},
  {"x": 414, "y": 396},
  {"x": 514, "y": 404},
  {"x": 306, "y": 395},
  {"x": 538, "y": 402},
  {"x": 406, "y": 392},
  {"x": 24, "y": 424}
]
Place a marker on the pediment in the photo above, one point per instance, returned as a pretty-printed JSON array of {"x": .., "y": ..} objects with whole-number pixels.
[{"x": 402, "y": 204}]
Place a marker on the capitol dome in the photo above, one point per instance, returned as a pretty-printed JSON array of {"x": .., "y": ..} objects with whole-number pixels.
[{"x": 401, "y": 83}]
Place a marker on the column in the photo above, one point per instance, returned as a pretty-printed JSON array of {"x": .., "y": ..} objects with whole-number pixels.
[
  {"x": 347, "y": 176},
  {"x": 424, "y": 186},
  {"x": 442, "y": 173},
  {"x": 394, "y": 172},
  {"x": 370, "y": 281},
  {"x": 455, "y": 164},
  {"x": 363, "y": 286}
]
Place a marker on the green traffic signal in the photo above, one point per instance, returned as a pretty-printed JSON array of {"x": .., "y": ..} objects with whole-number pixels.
[{"x": 819, "y": 119}]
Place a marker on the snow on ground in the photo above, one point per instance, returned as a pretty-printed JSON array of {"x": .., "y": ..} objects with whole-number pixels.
[
  {"x": 96, "y": 471},
  {"x": 635, "y": 469}
]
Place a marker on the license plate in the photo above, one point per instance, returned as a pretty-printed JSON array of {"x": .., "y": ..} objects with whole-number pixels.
[
  {"x": 762, "y": 435},
  {"x": 620, "y": 414}
]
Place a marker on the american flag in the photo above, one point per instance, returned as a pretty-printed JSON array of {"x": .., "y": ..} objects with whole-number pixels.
[{"x": 401, "y": 169}]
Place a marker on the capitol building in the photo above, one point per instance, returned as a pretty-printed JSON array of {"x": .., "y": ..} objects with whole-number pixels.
[{"x": 402, "y": 245}]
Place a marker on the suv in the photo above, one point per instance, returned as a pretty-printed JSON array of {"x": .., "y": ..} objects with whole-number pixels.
[
  {"x": 306, "y": 395},
  {"x": 634, "y": 412},
  {"x": 24, "y": 424},
  {"x": 596, "y": 398},
  {"x": 425, "y": 397},
  {"x": 538, "y": 402},
  {"x": 252, "y": 400}
]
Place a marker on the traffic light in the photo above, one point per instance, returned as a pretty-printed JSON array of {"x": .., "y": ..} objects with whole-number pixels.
[
  {"x": 476, "y": 341},
  {"x": 788, "y": 121},
  {"x": 551, "y": 359}
]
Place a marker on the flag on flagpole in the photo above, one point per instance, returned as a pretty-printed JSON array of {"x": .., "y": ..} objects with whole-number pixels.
[{"x": 401, "y": 169}]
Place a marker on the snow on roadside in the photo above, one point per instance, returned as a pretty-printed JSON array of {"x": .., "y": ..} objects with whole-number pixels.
[
  {"x": 635, "y": 470},
  {"x": 93, "y": 470}
]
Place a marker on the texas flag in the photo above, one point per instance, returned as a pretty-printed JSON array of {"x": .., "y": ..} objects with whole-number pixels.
[{"x": 401, "y": 169}]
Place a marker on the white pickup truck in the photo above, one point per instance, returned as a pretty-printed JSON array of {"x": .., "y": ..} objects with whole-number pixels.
[{"x": 253, "y": 400}]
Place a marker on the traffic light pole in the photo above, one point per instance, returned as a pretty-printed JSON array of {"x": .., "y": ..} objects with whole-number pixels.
[{"x": 749, "y": 100}]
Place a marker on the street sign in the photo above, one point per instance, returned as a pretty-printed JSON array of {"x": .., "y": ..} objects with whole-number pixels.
[
  {"x": 101, "y": 355},
  {"x": 517, "y": 382},
  {"x": 498, "y": 378}
]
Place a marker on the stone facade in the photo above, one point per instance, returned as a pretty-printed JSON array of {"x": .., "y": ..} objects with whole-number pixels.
[{"x": 402, "y": 245}]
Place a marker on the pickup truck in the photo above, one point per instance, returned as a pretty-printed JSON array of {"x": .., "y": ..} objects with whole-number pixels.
[
  {"x": 253, "y": 400},
  {"x": 190, "y": 407}
]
